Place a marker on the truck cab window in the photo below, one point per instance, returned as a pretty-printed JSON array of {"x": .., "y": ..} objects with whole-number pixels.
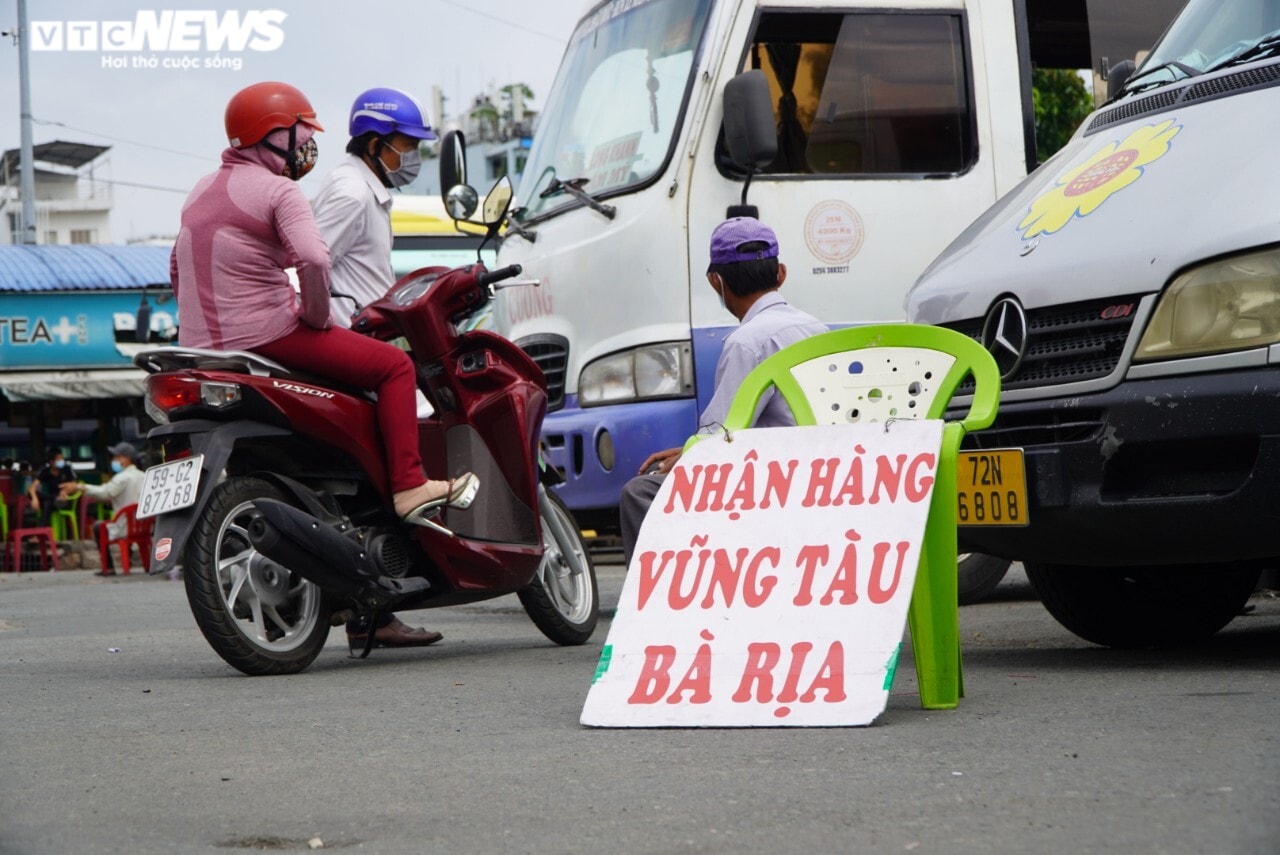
[{"x": 866, "y": 94}]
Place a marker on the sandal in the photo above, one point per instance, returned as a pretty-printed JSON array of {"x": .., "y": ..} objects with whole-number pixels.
[{"x": 462, "y": 492}]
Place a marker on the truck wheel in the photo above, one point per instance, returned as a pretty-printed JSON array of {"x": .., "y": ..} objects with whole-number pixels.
[
  {"x": 978, "y": 576},
  {"x": 1140, "y": 606}
]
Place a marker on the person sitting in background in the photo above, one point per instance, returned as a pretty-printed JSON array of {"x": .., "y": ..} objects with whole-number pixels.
[
  {"x": 45, "y": 489},
  {"x": 124, "y": 489},
  {"x": 746, "y": 274}
]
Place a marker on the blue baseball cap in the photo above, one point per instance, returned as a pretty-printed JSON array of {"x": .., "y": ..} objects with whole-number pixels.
[{"x": 731, "y": 236}]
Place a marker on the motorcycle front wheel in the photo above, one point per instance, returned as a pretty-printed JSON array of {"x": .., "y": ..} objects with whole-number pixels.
[
  {"x": 257, "y": 615},
  {"x": 562, "y": 600}
]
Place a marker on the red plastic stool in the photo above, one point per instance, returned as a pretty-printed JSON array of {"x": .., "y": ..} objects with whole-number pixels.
[{"x": 48, "y": 547}]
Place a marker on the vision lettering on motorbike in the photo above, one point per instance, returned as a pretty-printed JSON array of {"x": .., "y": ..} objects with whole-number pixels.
[
  {"x": 1083, "y": 188},
  {"x": 301, "y": 390},
  {"x": 771, "y": 581}
]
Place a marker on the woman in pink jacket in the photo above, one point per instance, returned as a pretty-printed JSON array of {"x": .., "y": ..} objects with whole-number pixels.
[{"x": 242, "y": 227}]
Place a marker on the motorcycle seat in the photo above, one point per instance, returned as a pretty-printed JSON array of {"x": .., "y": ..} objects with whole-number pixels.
[{"x": 157, "y": 359}]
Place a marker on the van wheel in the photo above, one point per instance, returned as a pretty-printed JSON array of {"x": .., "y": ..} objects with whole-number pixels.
[
  {"x": 1140, "y": 606},
  {"x": 978, "y": 575}
]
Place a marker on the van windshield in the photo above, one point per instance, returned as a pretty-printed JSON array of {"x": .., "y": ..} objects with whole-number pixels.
[
  {"x": 612, "y": 114},
  {"x": 1210, "y": 32}
]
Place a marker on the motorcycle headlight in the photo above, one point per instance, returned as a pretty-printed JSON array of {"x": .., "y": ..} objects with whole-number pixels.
[
  {"x": 1230, "y": 304},
  {"x": 653, "y": 371}
]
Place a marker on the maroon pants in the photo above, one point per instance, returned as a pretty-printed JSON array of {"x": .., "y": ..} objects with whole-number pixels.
[{"x": 370, "y": 364}]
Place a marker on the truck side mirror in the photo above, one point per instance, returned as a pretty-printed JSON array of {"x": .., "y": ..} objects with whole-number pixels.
[
  {"x": 1118, "y": 74},
  {"x": 749, "y": 132},
  {"x": 453, "y": 162}
]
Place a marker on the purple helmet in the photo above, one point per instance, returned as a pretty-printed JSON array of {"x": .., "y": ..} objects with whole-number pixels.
[{"x": 389, "y": 111}]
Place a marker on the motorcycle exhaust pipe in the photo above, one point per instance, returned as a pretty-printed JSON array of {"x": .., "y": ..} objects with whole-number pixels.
[{"x": 305, "y": 544}]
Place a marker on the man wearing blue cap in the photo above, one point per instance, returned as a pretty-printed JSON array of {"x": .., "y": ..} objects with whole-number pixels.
[
  {"x": 353, "y": 207},
  {"x": 746, "y": 274},
  {"x": 353, "y": 213}
]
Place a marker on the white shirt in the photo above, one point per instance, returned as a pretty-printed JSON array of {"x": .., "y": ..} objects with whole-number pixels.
[
  {"x": 768, "y": 326},
  {"x": 353, "y": 213},
  {"x": 124, "y": 489}
]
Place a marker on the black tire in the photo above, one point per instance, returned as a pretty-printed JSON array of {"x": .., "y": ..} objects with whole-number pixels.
[
  {"x": 979, "y": 575},
  {"x": 562, "y": 600},
  {"x": 274, "y": 621},
  {"x": 1142, "y": 606}
]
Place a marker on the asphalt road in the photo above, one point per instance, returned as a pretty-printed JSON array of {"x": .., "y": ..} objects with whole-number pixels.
[{"x": 121, "y": 731}]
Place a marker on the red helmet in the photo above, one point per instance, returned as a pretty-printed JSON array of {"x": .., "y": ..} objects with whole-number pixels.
[{"x": 257, "y": 110}]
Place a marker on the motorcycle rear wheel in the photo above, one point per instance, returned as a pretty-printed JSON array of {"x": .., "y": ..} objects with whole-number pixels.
[
  {"x": 261, "y": 618},
  {"x": 563, "y": 600}
]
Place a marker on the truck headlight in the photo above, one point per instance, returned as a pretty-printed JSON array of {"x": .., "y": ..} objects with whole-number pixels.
[
  {"x": 653, "y": 371},
  {"x": 1230, "y": 304}
]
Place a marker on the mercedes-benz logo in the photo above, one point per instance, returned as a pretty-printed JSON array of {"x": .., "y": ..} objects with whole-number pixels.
[{"x": 1004, "y": 334}]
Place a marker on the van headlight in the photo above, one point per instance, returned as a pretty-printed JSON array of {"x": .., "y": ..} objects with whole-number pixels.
[
  {"x": 1230, "y": 304},
  {"x": 653, "y": 371}
]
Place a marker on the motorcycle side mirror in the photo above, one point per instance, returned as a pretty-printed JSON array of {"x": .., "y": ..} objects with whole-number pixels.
[
  {"x": 497, "y": 202},
  {"x": 461, "y": 201},
  {"x": 453, "y": 162}
]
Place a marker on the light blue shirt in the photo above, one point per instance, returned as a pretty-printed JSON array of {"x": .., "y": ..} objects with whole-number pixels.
[{"x": 768, "y": 326}]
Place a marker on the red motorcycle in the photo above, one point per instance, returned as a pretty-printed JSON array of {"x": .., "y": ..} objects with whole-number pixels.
[{"x": 276, "y": 501}]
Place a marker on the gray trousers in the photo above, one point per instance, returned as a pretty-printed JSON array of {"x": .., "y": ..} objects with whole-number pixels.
[{"x": 634, "y": 503}]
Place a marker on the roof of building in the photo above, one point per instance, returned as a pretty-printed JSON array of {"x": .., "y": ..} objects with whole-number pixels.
[
  {"x": 83, "y": 267},
  {"x": 57, "y": 153}
]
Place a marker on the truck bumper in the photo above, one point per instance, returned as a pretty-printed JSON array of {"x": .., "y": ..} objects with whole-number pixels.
[
  {"x": 1173, "y": 470},
  {"x": 579, "y": 443}
]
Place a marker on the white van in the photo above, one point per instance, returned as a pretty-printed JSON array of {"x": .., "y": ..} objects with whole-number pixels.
[
  {"x": 890, "y": 126},
  {"x": 1130, "y": 290}
]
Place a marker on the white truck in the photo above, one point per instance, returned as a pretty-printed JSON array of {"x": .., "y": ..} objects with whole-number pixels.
[
  {"x": 1130, "y": 291},
  {"x": 867, "y": 133}
]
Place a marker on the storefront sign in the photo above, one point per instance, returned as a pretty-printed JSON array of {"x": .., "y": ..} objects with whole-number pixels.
[{"x": 79, "y": 330}]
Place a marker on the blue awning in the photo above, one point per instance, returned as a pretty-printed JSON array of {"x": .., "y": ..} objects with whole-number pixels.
[{"x": 86, "y": 267}]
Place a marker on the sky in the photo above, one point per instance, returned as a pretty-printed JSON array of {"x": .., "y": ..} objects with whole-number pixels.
[{"x": 165, "y": 124}]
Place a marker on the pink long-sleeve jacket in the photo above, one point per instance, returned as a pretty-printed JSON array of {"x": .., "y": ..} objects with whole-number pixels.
[{"x": 241, "y": 227}]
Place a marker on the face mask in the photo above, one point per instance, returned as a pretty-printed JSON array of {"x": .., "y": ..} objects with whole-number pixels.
[
  {"x": 304, "y": 158},
  {"x": 410, "y": 165},
  {"x": 117, "y": 466},
  {"x": 298, "y": 159},
  {"x": 58, "y": 464}
]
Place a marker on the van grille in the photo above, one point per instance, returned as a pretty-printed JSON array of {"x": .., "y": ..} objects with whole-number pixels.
[
  {"x": 1065, "y": 344},
  {"x": 1187, "y": 93},
  {"x": 551, "y": 352}
]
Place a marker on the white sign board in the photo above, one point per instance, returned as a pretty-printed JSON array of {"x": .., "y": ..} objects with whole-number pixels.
[{"x": 771, "y": 581}]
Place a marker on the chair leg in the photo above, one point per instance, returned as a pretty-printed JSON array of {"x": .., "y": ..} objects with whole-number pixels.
[{"x": 934, "y": 616}]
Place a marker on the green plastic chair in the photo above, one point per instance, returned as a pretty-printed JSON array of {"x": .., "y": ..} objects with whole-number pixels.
[
  {"x": 66, "y": 520},
  {"x": 870, "y": 374}
]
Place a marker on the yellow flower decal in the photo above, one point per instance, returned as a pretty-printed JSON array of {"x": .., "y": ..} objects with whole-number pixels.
[{"x": 1079, "y": 191}]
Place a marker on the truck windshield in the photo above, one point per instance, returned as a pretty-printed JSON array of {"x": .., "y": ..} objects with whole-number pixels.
[
  {"x": 1208, "y": 33},
  {"x": 612, "y": 114}
]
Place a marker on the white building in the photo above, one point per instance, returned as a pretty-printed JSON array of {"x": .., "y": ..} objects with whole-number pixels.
[{"x": 71, "y": 207}]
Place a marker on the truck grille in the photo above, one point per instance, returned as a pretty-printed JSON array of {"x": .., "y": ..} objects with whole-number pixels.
[
  {"x": 551, "y": 352},
  {"x": 1065, "y": 344}
]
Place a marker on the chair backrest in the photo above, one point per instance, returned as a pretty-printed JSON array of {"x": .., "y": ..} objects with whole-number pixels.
[
  {"x": 129, "y": 513},
  {"x": 872, "y": 374}
]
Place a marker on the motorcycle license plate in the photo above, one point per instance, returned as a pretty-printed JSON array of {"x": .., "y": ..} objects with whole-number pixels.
[
  {"x": 170, "y": 487},
  {"x": 992, "y": 488}
]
